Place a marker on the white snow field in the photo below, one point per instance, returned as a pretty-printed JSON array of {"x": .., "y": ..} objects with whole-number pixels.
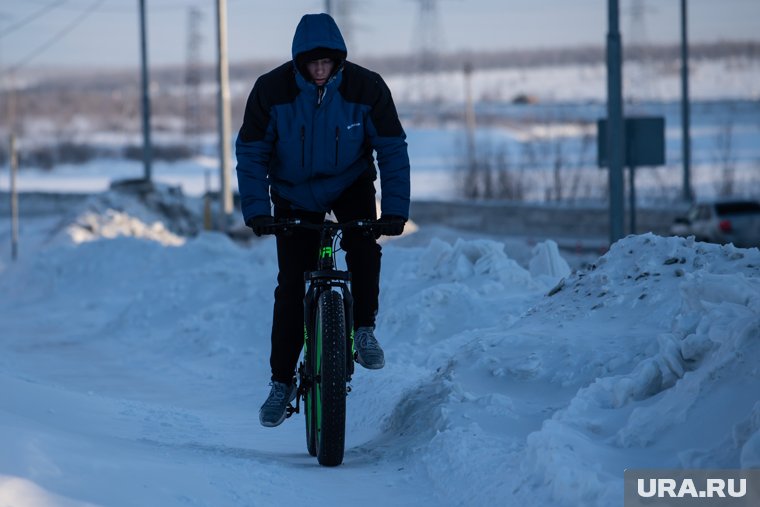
[{"x": 133, "y": 362}]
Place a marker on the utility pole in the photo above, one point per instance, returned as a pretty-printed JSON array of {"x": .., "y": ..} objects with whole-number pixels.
[
  {"x": 469, "y": 116},
  {"x": 615, "y": 125},
  {"x": 193, "y": 80},
  {"x": 225, "y": 151},
  {"x": 328, "y": 7},
  {"x": 147, "y": 147},
  {"x": 14, "y": 197},
  {"x": 13, "y": 158},
  {"x": 688, "y": 195}
]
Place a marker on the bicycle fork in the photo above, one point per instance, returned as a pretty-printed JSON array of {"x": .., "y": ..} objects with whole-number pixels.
[{"x": 318, "y": 282}]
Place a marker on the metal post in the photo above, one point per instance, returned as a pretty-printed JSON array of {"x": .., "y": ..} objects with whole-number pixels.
[
  {"x": 615, "y": 125},
  {"x": 147, "y": 147},
  {"x": 688, "y": 195},
  {"x": 328, "y": 7},
  {"x": 469, "y": 116},
  {"x": 207, "y": 216},
  {"x": 225, "y": 148},
  {"x": 632, "y": 197},
  {"x": 14, "y": 198}
]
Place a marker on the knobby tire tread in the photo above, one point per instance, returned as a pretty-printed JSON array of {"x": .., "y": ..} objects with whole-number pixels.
[{"x": 331, "y": 437}]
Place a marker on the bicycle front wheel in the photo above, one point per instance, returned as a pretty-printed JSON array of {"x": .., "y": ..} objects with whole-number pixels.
[{"x": 329, "y": 400}]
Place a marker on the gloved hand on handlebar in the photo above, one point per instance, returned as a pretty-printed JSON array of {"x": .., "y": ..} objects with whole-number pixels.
[
  {"x": 390, "y": 225},
  {"x": 261, "y": 224}
]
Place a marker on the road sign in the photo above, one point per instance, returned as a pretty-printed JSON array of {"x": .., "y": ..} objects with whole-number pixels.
[{"x": 644, "y": 141}]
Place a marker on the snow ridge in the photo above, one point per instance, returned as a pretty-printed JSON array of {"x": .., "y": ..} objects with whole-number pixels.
[{"x": 133, "y": 365}]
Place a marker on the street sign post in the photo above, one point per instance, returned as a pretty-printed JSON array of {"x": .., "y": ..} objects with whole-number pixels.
[{"x": 644, "y": 147}]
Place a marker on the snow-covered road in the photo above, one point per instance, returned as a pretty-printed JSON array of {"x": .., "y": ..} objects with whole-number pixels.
[{"x": 133, "y": 362}]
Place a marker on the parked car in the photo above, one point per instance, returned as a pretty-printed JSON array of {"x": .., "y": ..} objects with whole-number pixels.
[{"x": 724, "y": 221}]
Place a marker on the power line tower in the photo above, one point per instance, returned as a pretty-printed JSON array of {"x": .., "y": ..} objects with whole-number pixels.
[
  {"x": 193, "y": 114},
  {"x": 638, "y": 77},
  {"x": 427, "y": 43},
  {"x": 343, "y": 12},
  {"x": 637, "y": 26},
  {"x": 428, "y": 39}
]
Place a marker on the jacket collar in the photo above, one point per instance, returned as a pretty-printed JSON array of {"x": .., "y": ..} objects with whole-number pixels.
[{"x": 311, "y": 90}]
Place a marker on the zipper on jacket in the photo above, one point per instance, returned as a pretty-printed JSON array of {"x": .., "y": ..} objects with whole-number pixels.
[
  {"x": 320, "y": 95},
  {"x": 337, "y": 138},
  {"x": 303, "y": 145}
]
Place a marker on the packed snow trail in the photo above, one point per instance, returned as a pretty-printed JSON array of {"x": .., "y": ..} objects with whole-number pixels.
[{"x": 134, "y": 361}]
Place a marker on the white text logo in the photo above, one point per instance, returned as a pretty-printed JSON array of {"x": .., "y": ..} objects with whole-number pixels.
[{"x": 671, "y": 488}]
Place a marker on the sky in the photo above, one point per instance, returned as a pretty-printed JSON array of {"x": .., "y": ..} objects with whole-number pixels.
[{"x": 105, "y": 33}]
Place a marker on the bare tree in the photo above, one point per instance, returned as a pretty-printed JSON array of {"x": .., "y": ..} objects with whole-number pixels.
[
  {"x": 557, "y": 165},
  {"x": 583, "y": 161},
  {"x": 490, "y": 175}
]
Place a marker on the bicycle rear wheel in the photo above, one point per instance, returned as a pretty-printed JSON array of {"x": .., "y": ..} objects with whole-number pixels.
[{"x": 329, "y": 394}]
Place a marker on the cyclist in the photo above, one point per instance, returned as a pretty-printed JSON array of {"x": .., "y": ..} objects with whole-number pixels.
[{"x": 307, "y": 140}]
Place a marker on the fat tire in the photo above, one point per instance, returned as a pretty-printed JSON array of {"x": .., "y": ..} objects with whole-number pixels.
[
  {"x": 309, "y": 407},
  {"x": 330, "y": 327}
]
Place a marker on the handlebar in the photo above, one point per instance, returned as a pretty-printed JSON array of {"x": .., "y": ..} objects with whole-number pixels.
[{"x": 283, "y": 226}]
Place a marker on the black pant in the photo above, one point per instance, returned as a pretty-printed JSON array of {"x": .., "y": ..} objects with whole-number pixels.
[{"x": 298, "y": 253}]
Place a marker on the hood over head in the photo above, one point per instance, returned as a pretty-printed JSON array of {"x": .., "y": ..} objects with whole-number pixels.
[{"x": 317, "y": 36}]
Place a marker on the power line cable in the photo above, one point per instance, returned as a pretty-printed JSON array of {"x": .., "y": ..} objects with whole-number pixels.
[
  {"x": 173, "y": 6},
  {"x": 55, "y": 38},
  {"x": 40, "y": 12}
]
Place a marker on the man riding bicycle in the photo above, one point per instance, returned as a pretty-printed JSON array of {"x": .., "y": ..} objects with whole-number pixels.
[{"x": 307, "y": 140}]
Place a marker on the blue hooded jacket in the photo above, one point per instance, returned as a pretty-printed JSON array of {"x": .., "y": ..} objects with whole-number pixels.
[{"x": 309, "y": 143}]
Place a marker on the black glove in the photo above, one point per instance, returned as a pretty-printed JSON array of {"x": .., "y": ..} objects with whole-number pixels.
[
  {"x": 390, "y": 225},
  {"x": 261, "y": 224}
]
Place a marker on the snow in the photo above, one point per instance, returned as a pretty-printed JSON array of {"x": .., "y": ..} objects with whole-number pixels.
[
  {"x": 97, "y": 175},
  {"x": 713, "y": 79},
  {"x": 134, "y": 347},
  {"x": 559, "y": 128},
  {"x": 134, "y": 358}
]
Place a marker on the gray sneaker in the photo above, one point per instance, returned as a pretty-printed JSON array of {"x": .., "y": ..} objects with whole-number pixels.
[
  {"x": 368, "y": 351},
  {"x": 274, "y": 410}
]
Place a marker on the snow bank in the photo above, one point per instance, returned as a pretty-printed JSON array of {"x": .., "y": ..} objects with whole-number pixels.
[
  {"x": 22, "y": 492},
  {"x": 647, "y": 359},
  {"x": 110, "y": 224},
  {"x": 686, "y": 392},
  {"x": 142, "y": 362},
  {"x": 160, "y": 213}
]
